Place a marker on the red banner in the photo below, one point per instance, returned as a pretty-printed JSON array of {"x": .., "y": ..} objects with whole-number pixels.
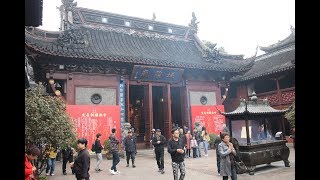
[
  {"x": 209, "y": 117},
  {"x": 91, "y": 119}
]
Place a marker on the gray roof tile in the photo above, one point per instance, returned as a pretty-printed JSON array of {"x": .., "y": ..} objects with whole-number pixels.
[
  {"x": 269, "y": 63},
  {"x": 132, "y": 48},
  {"x": 260, "y": 106}
]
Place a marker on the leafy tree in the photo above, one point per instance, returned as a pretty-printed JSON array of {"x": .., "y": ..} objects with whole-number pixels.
[
  {"x": 46, "y": 122},
  {"x": 290, "y": 115},
  {"x": 46, "y": 119}
]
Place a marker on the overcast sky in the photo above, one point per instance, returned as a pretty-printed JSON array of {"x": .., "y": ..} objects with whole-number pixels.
[{"x": 237, "y": 25}]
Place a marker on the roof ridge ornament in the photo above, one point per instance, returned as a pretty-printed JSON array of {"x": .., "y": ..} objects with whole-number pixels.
[
  {"x": 255, "y": 54},
  {"x": 154, "y": 16},
  {"x": 194, "y": 24},
  {"x": 293, "y": 30},
  {"x": 66, "y": 13},
  {"x": 211, "y": 54},
  {"x": 74, "y": 38}
]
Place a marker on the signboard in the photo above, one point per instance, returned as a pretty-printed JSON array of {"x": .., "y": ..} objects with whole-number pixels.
[
  {"x": 156, "y": 74},
  {"x": 92, "y": 119},
  {"x": 209, "y": 117},
  {"x": 122, "y": 101}
]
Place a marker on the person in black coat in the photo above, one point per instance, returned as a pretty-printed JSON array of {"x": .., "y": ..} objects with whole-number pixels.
[
  {"x": 158, "y": 142},
  {"x": 130, "y": 148},
  {"x": 216, "y": 143},
  {"x": 176, "y": 150},
  {"x": 67, "y": 156},
  {"x": 98, "y": 149},
  {"x": 81, "y": 164}
]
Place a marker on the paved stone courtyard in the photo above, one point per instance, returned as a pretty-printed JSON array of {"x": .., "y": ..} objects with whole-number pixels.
[{"x": 203, "y": 168}]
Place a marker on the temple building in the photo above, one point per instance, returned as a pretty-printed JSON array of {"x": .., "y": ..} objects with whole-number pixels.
[
  {"x": 155, "y": 71},
  {"x": 272, "y": 77}
]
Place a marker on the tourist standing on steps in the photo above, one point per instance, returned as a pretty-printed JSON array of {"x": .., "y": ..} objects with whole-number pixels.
[
  {"x": 81, "y": 164},
  {"x": 158, "y": 141},
  {"x": 176, "y": 149},
  {"x": 114, "y": 142},
  {"x": 129, "y": 143}
]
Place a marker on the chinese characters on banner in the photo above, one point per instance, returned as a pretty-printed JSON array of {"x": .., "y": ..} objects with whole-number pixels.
[
  {"x": 92, "y": 119},
  {"x": 122, "y": 101},
  {"x": 209, "y": 117}
]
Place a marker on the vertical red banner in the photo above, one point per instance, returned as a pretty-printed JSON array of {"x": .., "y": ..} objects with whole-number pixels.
[
  {"x": 90, "y": 120},
  {"x": 209, "y": 117}
]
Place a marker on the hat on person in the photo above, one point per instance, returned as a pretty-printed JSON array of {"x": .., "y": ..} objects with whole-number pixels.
[
  {"x": 158, "y": 130},
  {"x": 153, "y": 130}
]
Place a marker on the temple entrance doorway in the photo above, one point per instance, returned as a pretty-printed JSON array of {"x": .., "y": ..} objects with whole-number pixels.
[
  {"x": 176, "y": 106},
  {"x": 136, "y": 114},
  {"x": 158, "y": 107}
]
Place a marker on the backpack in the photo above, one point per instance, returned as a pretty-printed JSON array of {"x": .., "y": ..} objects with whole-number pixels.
[{"x": 93, "y": 147}]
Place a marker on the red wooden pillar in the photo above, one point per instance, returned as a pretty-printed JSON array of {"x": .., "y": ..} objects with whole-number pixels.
[
  {"x": 70, "y": 95},
  {"x": 188, "y": 116},
  {"x": 279, "y": 94},
  {"x": 148, "y": 113},
  {"x": 283, "y": 129},
  {"x": 167, "y": 111},
  {"x": 185, "y": 111}
]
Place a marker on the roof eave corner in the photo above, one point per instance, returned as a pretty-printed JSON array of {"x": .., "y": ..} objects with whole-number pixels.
[{"x": 222, "y": 113}]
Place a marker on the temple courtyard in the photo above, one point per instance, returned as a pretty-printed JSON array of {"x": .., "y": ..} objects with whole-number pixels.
[{"x": 203, "y": 168}]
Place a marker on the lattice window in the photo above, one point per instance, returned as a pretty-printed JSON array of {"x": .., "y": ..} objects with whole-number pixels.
[{"x": 288, "y": 97}]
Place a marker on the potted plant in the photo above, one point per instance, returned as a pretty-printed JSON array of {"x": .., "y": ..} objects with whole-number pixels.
[{"x": 107, "y": 149}]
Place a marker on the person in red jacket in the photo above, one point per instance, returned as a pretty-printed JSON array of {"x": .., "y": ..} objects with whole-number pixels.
[{"x": 31, "y": 154}]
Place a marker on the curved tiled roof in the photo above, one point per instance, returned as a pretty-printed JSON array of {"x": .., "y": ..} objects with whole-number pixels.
[
  {"x": 130, "y": 47},
  {"x": 254, "y": 107},
  {"x": 269, "y": 64},
  {"x": 281, "y": 44}
]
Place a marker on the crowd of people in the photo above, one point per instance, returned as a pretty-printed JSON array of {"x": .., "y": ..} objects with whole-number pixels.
[{"x": 179, "y": 147}]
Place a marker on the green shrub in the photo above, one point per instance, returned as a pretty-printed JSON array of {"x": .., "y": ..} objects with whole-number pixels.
[
  {"x": 43, "y": 178},
  {"x": 107, "y": 145},
  {"x": 213, "y": 137},
  {"x": 290, "y": 115},
  {"x": 107, "y": 149},
  {"x": 74, "y": 145},
  {"x": 46, "y": 119}
]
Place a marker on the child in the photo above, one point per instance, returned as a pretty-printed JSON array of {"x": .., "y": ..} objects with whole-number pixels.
[{"x": 194, "y": 146}]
